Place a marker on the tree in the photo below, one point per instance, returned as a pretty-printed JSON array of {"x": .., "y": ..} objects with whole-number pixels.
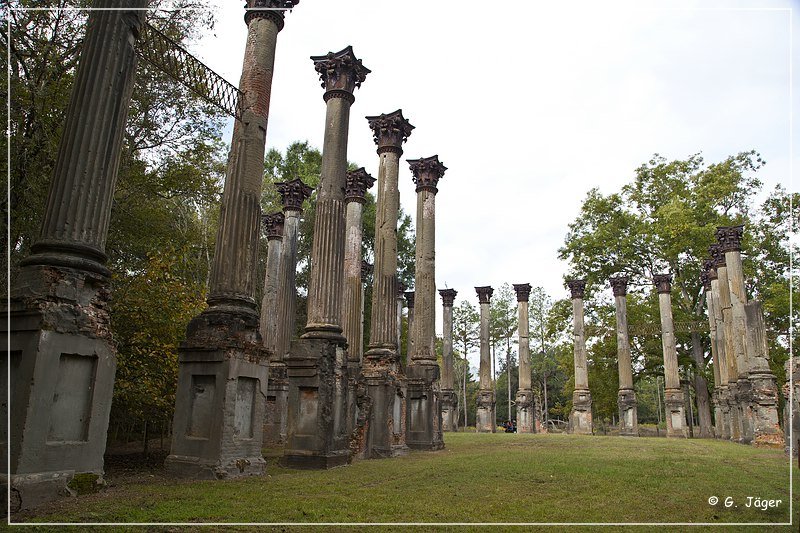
[
  {"x": 466, "y": 338},
  {"x": 664, "y": 221}
]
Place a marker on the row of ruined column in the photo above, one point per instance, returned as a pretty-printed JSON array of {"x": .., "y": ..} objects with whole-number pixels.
[
  {"x": 337, "y": 401},
  {"x": 745, "y": 392}
]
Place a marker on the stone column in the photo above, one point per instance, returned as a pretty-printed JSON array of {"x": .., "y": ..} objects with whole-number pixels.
[
  {"x": 719, "y": 413},
  {"x": 385, "y": 381},
  {"x": 223, "y": 367},
  {"x": 484, "y": 422},
  {"x": 526, "y": 404},
  {"x": 791, "y": 410},
  {"x": 673, "y": 395},
  {"x": 61, "y": 350},
  {"x": 317, "y": 366},
  {"x": 293, "y": 194},
  {"x": 409, "y": 325},
  {"x": 764, "y": 389},
  {"x": 725, "y": 324},
  {"x": 424, "y": 410},
  {"x": 580, "y": 419},
  {"x": 729, "y": 244},
  {"x": 358, "y": 181},
  {"x": 449, "y": 398},
  {"x": 626, "y": 397},
  {"x": 401, "y": 290},
  {"x": 273, "y": 224}
]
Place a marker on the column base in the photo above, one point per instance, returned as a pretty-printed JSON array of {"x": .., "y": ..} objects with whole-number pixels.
[
  {"x": 63, "y": 361},
  {"x": 485, "y": 416},
  {"x": 277, "y": 405},
  {"x": 580, "y": 418},
  {"x": 220, "y": 401},
  {"x": 744, "y": 401},
  {"x": 628, "y": 418},
  {"x": 387, "y": 388},
  {"x": 526, "y": 411},
  {"x": 676, "y": 414},
  {"x": 424, "y": 409},
  {"x": 316, "y": 425},
  {"x": 767, "y": 431},
  {"x": 449, "y": 411}
]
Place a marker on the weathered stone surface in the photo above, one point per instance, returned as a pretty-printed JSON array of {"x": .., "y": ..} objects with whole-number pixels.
[
  {"x": 673, "y": 395},
  {"x": 764, "y": 389},
  {"x": 485, "y": 418},
  {"x": 385, "y": 381},
  {"x": 449, "y": 398},
  {"x": 318, "y": 435},
  {"x": 626, "y": 396},
  {"x": 791, "y": 411},
  {"x": 61, "y": 351},
  {"x": 525, "y": 401},
  {"x": 580, "y": 418},
  {"x": 223, "y": 368}
]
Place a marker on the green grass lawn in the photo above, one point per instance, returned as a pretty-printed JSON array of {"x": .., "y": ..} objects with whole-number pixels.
[{"x": 476, "y": 478}]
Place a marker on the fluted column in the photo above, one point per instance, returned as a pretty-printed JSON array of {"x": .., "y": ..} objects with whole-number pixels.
[
  {"x": 729, "y": 243},
  {"x": 401, "y": 289},
  {"x": 386, "y": 383},
  {"x": 409, "y": 325},
  {"x": 580, "y": 419},
  {"x": 526, "y": 406},
  {"x": 721, "y": 413},
  {"x": 78, "y": 212},
  {"x": 341, "y": 73},
  {"x": 293, "y": 194},
  {"x": 223, "y": 359},
  {"x": 449, "y": 398},
  {"x": 232, "y": 282},
  {"x": 358, "y": 181},
  {"x": 626, "y": 396},
  {"x": 673, "y": 395},
  {"x": 60, "y": 345},
  {"x": 485, "y": 417},
  {"x": 725, "y": 324},
  {"x": 273, "y": 224}
]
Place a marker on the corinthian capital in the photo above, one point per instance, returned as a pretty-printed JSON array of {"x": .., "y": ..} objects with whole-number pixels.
[
  {"x": 390, "y": 131},
  {"x": 340, "y": 72},
  {"x": 484, "y": 294},
  {"x": 293, "y": 194},
  {"x": 663, "y": 283},
  {"x": 273, "y": 223},
  {"x": 729, "y": 238},
  {"x": 523, "y": 291},
  {"x": 427, "y": 172},
  {"x": 358, "y": 181},
  {"x": 619, "y": 285},
  {"x": 577, "y": 287},
  {"x": 268, "y": 9},
  {"x": 448, "y": 296}
]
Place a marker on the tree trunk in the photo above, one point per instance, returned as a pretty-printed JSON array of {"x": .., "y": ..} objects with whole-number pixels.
[
  {"x": 701, "y": 390},
  {"x": 145, "y": 438},
  {"x": 546, "y": 415}
]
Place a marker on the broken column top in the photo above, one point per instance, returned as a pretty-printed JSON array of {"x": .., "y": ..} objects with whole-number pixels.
[
  {"x": 663, "y": 283},
  {"x": 390, "y": 131},
  {"x": 366, "y": 268},
  {"x": 409, "y": 299},
  {"x": 619, "y": 285},
  {"x": 577, "y": 287},
  {"x": 268, "y": 9},
  {"x": 273, "y": 223},
  {"x": 448, "y": 296},
  {"x": 358, "y": 181},
  {"x": 293, "y": 194},
  {"x": 427, "y": 172},
  {"x": 729, "y": 238},
  {"x": 341, "y": 72},
  {"x": 523, "y": 291},
  {"x": 484, "y": 294}
]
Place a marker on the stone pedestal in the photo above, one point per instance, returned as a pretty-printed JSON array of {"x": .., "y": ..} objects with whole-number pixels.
[
  {"x": 61, "y": 352},
  {"x": 485, "y": 420},
  {"x": 676, "y": 413},
  {"x": 317, "y": 435},
  {"x": 628, "y": 422},
  {"x": 527, "y": 412},
  {"x": 384, "y": 379},
  {"x": 580, "y": 418},
  {"x": 449, "y": 402},
  {"x": 424, "y": 410}
]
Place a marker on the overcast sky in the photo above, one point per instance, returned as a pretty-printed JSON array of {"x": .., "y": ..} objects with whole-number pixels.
[{"x": 530, "y": 104}]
